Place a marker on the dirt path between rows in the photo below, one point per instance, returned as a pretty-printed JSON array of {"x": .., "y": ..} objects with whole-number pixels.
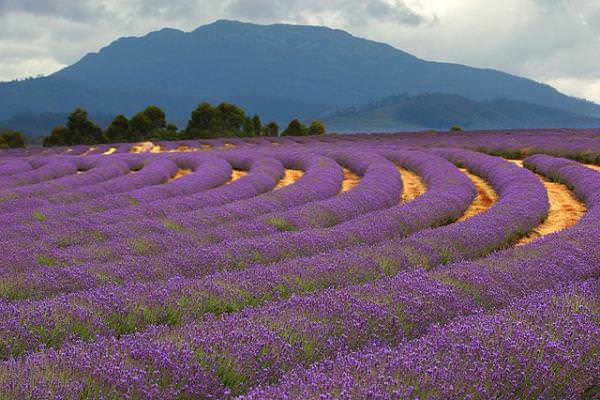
[
  {"x": 565, "y": 209},
  {"x": 350, "y": 180},
  {"x": 486, "y": 196},
  {"x": 237, "y": 174},
  {"x": 180, "y": 174},
  {"x": 290, "y": 176},
  {"x": 412, "y": 184}
]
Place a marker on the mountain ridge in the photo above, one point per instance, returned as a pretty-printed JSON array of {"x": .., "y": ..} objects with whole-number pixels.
[
  {"x": 279, "y": 71},
  {"x": 442, "y": 111}
]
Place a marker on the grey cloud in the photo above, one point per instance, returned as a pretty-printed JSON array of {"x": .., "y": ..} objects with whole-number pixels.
[
  {"x": 398, "y": 12},
  {"x": 352, "y": 12},
  {"x": 74, "y": 10}
]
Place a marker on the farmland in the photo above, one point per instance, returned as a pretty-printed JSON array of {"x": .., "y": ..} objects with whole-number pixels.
[{"x": 413, "y": 265}]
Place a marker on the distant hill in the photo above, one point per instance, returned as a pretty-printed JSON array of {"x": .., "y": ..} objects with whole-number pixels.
[
  {"x": 278, "y": 71},
  {"x": 441, "y": 111}
]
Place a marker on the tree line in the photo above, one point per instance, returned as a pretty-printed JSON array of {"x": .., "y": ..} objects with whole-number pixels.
[
  {"x": 12, "y": 140},
  {"x": 206, "y": 122}
]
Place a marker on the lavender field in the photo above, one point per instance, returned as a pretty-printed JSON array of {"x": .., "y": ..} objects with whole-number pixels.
[{"x": 431, "y": 265}]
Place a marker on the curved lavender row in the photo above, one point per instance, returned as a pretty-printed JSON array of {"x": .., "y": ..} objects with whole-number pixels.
[
  {"x": 212, "y": 173},
  {"x": 51, "y": 170},
  {"x": 449, "y": 193},
  {"x": 380, "y": 187},
  {"x": 38, "y": 195},
  {"x": 493, "y": 282},
  {"x": 177, "y": 202},
  {"x": 154, "y": 172},
  {"x": 256, "y": 346},
  {"x": 120, "y": 192},
  {"x": 206, "y": 174},
  {"x": 322, "y": 179},
  {"x": 290, "y": 194},
  {"x": 552, "y": 352},
  {"x": 239, "y": 289},
  {"x": 584, "y": 182},
  {"x": 13, "y": 166},
  {"x": 293, "y": 195},
  {"x": 521, "y": 193},
  {"x": 263, "y": 174},
  {"x": 522, "y": 206}
]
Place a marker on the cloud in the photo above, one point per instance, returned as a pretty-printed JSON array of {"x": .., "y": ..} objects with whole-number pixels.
[
  {"x": 80, "y": 10},
  {"x": 554, "y": 41},
  {"x": 351, "y": 12}
]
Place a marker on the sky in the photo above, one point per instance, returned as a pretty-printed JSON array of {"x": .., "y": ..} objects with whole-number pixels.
[{"x": 552, "y": 41}]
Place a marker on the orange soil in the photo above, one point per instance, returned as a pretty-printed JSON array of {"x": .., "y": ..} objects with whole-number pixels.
[
  {"x": 88, "y": 151},
  {"x": 290, "y": 176},
  {"x": 565, "y": 209},
  {"x": 413, "y": 185},
  {"x": 237, "y": 174},
  {"x": 180, "y": 173},
  {"x": 156, "y": 149},
  {"x": 109, "y": 151},
  {"x": 144, "y": 147},
  {"x": 182, "y": 149},
  {"x": 594, "y": 167},
  {"x": 350, "y": 180},
  {"x": 486, "y": 196}
]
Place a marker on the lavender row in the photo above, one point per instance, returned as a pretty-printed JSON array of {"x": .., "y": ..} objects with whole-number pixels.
[
  {"x": 523, "y": 198},
  {"x": 263, "y": 173},
  {"x": 379, "y": 188},
  {"x": 228, "y": 355},
  {"x": 449, "y": 193},
  {"x": 545, "y": 346},
  {"x": 315, "y": 168},
  {"x": 116, "y": 310},
  {"x": 16, "y": 165},
  {"x": 40, "y": 194},
  {"x": 214, "y": 173},
  {"x": 316, "y": 183},
  {"x": 51, "y": 170},
  {"x": 474, "y": 356}
]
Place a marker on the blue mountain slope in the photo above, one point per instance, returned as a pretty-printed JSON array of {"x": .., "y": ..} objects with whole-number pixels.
[{"x": 280, "y": 71}]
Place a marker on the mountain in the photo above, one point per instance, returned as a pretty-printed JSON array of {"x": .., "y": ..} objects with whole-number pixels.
[
  {"x": 441, "y": 111},
  {"x": 279, "y": 71}
]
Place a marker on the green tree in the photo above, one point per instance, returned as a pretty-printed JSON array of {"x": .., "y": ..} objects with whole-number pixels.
[
  {"x": 118, "y": 130},
  {"x": 257, "y": 124},
  {"x": 229, "y": 119},
  {"x": 156, "y": 116},
  {"x": 200, "y": 122},
  {"x": 3, "y": 144},
  {"x": 456, "y": 128},
  {"x": 225, "y": 120},
  {"x": 271, "y": 129},
  {"x": 140, "y": 127},
  {"x": 295, "y": 128},
  {"x": 316, "y": 128},
  {"x": 83, "y": 131},
  {"x": 13, "y": 139},
  {"x": 249, "y": 128},
  {"x": 60, "y": 136}
]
